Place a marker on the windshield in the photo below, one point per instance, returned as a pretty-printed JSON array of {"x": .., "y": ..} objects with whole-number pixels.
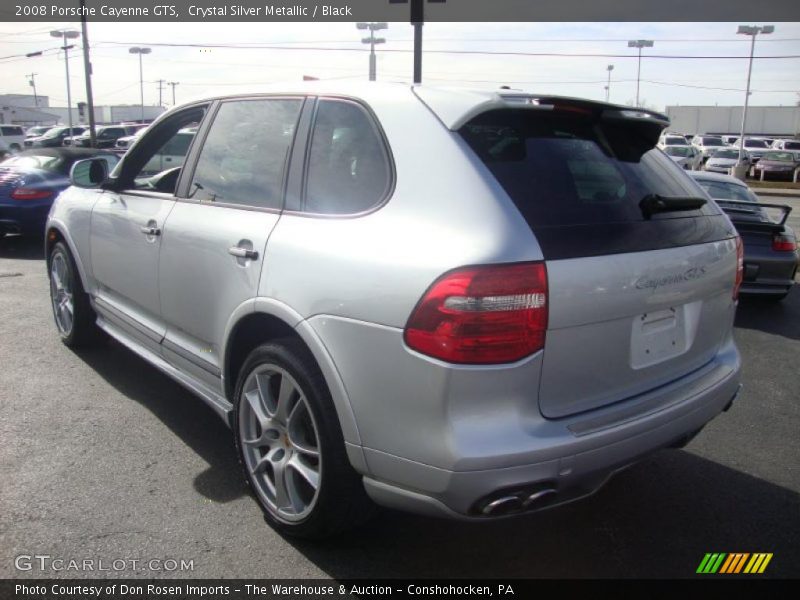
[
  {"x": 712, "y": 141},
  {"x": 55, "y": 132},
  {"x": 675, "y": 141},
  {"x": 725, "y": 154},
  {"x": 755, "y": 144},
  {"x": 678, "y": 151},
  {"x": 779, "y": 156},
  {"x": 791, "y": 145}
]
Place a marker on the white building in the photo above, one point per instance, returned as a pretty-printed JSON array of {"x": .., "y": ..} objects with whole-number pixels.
[
  {"x": 761, "y": 120},
  {"x": 24, "y": 109}
]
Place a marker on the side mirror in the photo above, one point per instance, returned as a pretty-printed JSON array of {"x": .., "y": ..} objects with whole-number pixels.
[{"x": 89, "y": 173}]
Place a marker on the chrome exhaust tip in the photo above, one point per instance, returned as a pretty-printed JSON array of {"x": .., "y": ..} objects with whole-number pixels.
[
  {"x": 502, "y": 506},
  {"x": 536, "y": 496}
]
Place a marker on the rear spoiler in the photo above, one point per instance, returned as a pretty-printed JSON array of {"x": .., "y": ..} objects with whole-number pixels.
[
  {"x": 455, "y": 107},
  {"x": 741, "y": 207}
]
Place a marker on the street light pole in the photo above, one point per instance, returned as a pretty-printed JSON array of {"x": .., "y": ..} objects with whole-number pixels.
[
  {"x": 372, "y": 40},
  {"x": 140, "y": 52},
  {"x": 752, "y": 31},
  {"x": 639, "y": 44},
  {"x": 66, "y": 34},
  {"x": 609, "y": 68}
]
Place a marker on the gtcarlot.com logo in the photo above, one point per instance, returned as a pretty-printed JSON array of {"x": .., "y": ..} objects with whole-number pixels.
[
  {"x": 46, "y": 562},
  {"x": 734, "y": 563}
]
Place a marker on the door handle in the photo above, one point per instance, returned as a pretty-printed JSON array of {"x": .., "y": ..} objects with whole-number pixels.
[
  {"x": 147, "y": 230},
  {"x": 243, "y": 253}
]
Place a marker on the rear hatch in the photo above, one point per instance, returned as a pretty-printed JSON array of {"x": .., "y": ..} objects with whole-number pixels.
[{"x": 640, "y": 267}]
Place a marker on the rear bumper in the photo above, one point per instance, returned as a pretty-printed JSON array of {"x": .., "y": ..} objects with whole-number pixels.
[
  {"x": 442, "y": 439},
  {"x": 27, "y": 220},
  {"x": 576, "y": 463},
  {"x": 768, "y": 272}
]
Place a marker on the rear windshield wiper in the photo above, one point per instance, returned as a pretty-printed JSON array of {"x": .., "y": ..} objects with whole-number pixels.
[{"x": 654, "y": 203}]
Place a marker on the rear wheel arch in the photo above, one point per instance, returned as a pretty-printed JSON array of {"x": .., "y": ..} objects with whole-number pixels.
[{"x": 259, "y": 327}]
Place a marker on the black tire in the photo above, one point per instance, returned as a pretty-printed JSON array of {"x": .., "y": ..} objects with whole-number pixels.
[
  {"x": 15, "y": 148},
  {"x": 340, "y": 503},
  {"x": 84, "y": 330}
]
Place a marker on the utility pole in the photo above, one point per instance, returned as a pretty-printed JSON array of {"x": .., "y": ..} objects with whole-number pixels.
[
  {"x": 87, "y": 72},
  {"x": 32, "y": 81},
  {"x": 609, "y": 68},
  {"x": 417, "y": 20},
  {"x": 173, "y": 84},
  {"x": 161, "y": 83}
]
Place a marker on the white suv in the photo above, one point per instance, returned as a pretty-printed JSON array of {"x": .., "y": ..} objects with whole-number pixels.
[{"x": 12, "y": 138}]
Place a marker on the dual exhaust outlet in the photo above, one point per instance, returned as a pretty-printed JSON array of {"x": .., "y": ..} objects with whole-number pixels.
[{"x": 515, "y": 502}]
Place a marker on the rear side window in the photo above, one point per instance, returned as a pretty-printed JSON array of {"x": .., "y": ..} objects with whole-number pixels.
[
  {"x": 348, "y": 166},
  {"x": 9, "y": 130},
  {"x": 579, "y": 183},
  {"x": 244, "y": 157}
]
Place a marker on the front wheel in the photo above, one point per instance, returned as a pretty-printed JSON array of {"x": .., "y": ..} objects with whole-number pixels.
[
  {"x": 73, "y": 313},
  {"x": 291, "y": 446}
]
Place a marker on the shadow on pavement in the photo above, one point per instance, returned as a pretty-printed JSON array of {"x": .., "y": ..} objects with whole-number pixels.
[
  {"x": 657, "y": 519},
  {"x": 22, "y": 247},
  {"x": 778, "y": 318},
  {"x": 180, "y": 410}
]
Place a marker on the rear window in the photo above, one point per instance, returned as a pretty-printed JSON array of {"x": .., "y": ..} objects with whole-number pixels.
[
  {"x": 712, "y": 141},
  {"x": 578, "y": 182},
  {"x": 678, "y": 151},
  {"x": 561, "y": 170},
  {"x": 722, "y": 190},
  {"x": 791, "y": 145},
  {"x": 755, "y": 144}
]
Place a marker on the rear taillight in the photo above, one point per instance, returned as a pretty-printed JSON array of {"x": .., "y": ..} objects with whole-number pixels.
[
  {"x": 739, "y": 267},
  {"x": 482, "y": 315},
  {"x": 784, "y": 243},
  {"x": 24, "y": 193}
]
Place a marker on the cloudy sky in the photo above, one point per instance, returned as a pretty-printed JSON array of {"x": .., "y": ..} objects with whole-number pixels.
[{"x": 460, "y": 54}]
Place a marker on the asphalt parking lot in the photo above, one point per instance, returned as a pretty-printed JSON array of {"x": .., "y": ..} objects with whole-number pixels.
[{"x": 102, "y": 457}]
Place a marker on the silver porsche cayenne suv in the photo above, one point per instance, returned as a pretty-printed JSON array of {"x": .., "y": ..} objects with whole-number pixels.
[{"x": 462, "y": 304}]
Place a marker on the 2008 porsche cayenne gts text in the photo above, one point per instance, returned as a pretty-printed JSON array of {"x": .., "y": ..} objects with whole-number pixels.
[{"x": 463, "y": 304}]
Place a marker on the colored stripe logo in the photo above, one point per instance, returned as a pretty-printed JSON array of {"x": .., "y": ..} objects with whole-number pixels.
[{"x": 733, "y": 563}]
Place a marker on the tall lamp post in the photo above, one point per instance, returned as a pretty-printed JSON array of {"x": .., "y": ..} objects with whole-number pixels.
[
  {"x": 140, "y": 52},
  {"x": 67, "y": 34},
  {"x": 609, "y": 68},
  {"x": 639, "y": 44},
  {"x": 752, "y": 31},
  {"x": 372, "y": 40}
]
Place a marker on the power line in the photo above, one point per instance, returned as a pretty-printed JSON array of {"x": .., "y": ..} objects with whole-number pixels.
[{"x": 471, "y": 52}]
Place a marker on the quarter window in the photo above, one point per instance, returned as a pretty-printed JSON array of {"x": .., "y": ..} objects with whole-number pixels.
[
  {"x": 348, "y": 168},
  {"x": 244, "y": 156}
]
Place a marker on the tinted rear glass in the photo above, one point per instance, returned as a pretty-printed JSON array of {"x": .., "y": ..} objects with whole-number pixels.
[
  {"x": 712, "y": 141},
  {"x": 578, "y": 183},
  {"x": 561, "y": 170}
]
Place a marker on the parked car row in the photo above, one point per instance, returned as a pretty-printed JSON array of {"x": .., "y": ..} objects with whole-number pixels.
[{"x": 45, "y": 136}]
